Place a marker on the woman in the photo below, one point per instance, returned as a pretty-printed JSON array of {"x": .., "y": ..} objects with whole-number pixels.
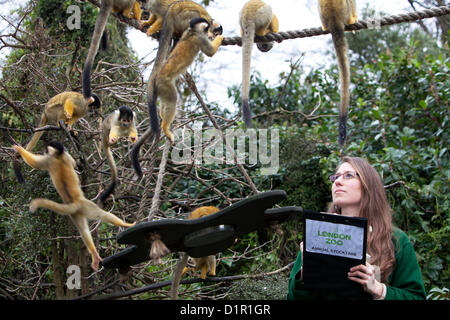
[{"x": 393, "y": 272}]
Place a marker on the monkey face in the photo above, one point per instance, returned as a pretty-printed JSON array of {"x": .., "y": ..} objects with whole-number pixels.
[
  {"x": 125, "y": 122},
  {"x": 264, "y": 46},
  {"x": 217, "y": 28},
  {"x": 125, "y": 116},
  {"x": 201, "y": 25}
]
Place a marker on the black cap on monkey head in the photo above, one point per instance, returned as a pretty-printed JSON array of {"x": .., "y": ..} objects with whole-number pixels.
[
  {"x": 195, "y": 21},
  {"x": 126, "y": 111},
  {"x": 58, "y": 146},
  {"x": 97, "y": 103}
]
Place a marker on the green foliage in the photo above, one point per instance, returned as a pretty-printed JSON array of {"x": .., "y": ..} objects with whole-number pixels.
[
  {"x": 398, "y": 120},
  {"x": 270, "y": 288},
  {"x": 439, "y": 294}
]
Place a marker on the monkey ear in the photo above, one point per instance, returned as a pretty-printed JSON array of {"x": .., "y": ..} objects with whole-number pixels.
[
  {"x": 196, "y": 21},
  {"x": 51, "y": 151},
  {"x": 94, "y": 101},
  {"x": 55, "y": 147},
  {"x": 202, "y": 27}
]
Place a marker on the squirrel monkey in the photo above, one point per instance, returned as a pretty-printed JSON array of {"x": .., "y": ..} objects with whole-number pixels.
[
  {"x": 123, "y": 6},
  {"x": 204, "y": 264},
  {"x": 68, "y": 106},
  {"x": 158, "y": 9},
  {"x": 61, "y": 167},
  {"x": 177, "y": 20},
  {"x": 255, "y": 18},
  {"x": 335, "y": 15},
  {"x": 199, "y": 37},
  {"x": 118, "y": 124}
]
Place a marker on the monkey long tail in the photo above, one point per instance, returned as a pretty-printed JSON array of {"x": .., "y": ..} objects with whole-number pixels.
[
  {"x": 100, "y": 25},
  {"x": 152, "y": 96},
  {"x": 37, "y": 135},
  {"x": 165, "y": 41},
  {"x": 15, "y": 161},
  {"x": 247, "y": 46},
  {"x": 154, "y": 122},
  {"x": 341, "y": 48},
  {"x": 182, "y": 262},
  {"x": 135, "y": 151},
  {"x": 163, "y": 51},
  {"x": 30, "y": 146},
  {"x": 112, "y": 165}
]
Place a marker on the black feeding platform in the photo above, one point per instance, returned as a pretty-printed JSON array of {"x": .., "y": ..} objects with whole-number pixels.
[{"x": 204, "y": 236}]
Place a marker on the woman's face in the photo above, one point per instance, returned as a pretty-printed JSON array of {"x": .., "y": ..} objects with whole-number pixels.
[{"x": 346, "y": 193}]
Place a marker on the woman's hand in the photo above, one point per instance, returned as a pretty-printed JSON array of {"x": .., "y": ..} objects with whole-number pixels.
[{"x": 366, "y": 276}]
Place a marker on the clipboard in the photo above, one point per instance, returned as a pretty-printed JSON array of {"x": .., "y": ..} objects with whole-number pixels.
[{"x": 332, "y": 244}]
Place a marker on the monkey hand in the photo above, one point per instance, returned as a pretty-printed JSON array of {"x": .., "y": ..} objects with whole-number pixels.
[
  {"x": 133, "y": 139},
  {"x": 147, "y": 23},
  {"x": 170, "y": 136},
  {"x": 34, "y": 205},
  {"x": 217, "y": 39},
  {"x": 129, "y": 225},
  {"x": 68, "y": 116},
  {"x": 17, "y": 148},
  {"x": 112, "y": 140},
  {"x": 95, "y": 262},
  {"x": 68, "y": 124}
]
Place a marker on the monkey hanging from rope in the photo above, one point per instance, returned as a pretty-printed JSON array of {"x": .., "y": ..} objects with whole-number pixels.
[
  {"x": 335, "y": 15},
  {"x": 255, "y": 18}
]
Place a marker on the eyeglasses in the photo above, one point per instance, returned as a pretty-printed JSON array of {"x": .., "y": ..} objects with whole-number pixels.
[{"x": 346, "y": 175}]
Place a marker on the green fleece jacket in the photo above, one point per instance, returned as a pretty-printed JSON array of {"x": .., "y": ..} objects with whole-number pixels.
[{"x": 405, "y": 281}]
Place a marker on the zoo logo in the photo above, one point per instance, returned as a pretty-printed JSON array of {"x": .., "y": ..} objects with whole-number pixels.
[{"x": 334, "y": 238}]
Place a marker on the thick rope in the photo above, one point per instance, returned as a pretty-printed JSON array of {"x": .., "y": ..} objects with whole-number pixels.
[
  {"x": 312, "y": 32},
  {"x": 371, "y": 24}
]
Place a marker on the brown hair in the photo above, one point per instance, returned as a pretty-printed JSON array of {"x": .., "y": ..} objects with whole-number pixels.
[{"x": 375, "y": 207}]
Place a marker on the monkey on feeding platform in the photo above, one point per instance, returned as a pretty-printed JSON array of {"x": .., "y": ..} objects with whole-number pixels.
[{"x": 204, "y": 264}]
